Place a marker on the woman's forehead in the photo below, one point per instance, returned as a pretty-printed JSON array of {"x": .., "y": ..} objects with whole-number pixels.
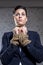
[{"x": 20, "y": 10}]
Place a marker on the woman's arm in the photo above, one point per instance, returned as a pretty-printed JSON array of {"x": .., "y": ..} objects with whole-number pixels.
[
  {"x": 36, "y": 49},
  {"x": 7, "y": 50}
]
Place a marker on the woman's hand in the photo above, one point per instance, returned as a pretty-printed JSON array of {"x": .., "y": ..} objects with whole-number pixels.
[
  {"x": 18, "y": 30},
  {"x": 23, "y": 39},
  {"x": 15, "y": 39},
  {"x": 20, "y": 35}
]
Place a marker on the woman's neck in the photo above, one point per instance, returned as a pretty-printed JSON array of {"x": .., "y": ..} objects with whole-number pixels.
[{"x": 21, "y": 26}]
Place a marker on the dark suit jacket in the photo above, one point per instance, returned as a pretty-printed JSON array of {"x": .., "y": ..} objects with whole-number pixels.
[{"x": 29, "y": 54}]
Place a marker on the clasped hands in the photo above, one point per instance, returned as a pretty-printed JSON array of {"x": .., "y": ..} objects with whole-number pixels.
[{"x": 20, "y": 39}]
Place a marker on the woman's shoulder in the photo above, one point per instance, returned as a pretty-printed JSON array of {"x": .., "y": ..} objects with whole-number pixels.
[
  {"x": 33, "y": 33},
  {"x": 8, "y": 34}
]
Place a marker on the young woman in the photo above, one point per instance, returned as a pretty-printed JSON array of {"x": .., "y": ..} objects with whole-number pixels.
[{"x": 20, "y": 46}]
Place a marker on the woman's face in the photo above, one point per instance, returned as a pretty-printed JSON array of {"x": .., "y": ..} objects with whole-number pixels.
[{"x": 20, "y": 17}]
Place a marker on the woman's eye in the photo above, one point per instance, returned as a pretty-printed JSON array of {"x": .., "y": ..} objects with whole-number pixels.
[
  {"x": 17, "y": 14},
  {"x": 23, "y": 14}
]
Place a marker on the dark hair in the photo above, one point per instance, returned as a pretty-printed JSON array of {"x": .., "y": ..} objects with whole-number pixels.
[{"x": 20, "y": 7}]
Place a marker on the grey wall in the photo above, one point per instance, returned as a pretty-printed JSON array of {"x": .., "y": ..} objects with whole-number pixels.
[
  {"x": 35, "y": 22},
  {"x": 27, "y": 3}
]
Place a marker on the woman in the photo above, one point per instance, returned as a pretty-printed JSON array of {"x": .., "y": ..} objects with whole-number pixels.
[{"x": 20, "y": 46}]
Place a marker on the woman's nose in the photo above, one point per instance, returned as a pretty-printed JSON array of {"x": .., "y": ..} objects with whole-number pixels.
[{"x": 20, "y": 16}]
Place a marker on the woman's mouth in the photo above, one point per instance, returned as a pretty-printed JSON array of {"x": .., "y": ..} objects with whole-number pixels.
[{"x": 20, "y": 20}]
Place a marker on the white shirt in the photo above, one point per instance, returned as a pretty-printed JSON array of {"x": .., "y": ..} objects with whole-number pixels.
[
  {"x": 20, "y": 63},
  {"x": 20, "y": 51}
]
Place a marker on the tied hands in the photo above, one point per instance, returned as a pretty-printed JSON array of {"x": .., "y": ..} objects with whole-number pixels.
[{"x": 20, "y": 39}]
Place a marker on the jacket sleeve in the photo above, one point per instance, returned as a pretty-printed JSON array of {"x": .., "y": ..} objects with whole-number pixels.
[
  {"x": 36, "y": 49},
  {"x": 7, "y": 51}
]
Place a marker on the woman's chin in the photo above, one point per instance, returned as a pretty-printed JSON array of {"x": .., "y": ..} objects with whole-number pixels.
[{"x": 20, "y": 25}]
